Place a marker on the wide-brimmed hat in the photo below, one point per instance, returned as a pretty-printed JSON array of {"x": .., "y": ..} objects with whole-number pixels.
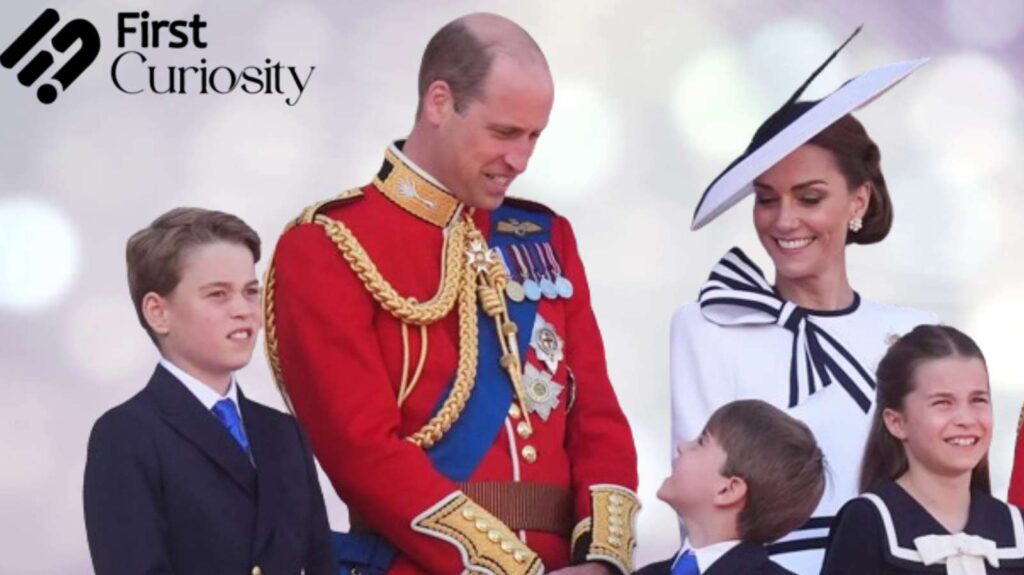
[{"x": 792, "y": 126}]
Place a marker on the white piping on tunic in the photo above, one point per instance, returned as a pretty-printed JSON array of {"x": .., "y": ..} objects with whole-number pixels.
[
  {"x": 513, "y": 452},
  {"x": 1015, "y": 552},
  {"x": 458, "y": 545}
]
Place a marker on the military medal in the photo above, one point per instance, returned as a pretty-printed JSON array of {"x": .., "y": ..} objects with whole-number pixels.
[
  {"x": 562, "y": 283},
  {"x": 547, "y": 287},
  {"x": 541, "y": 392},
  {"x": 515, "y": 292},
  {"x": 532, "y": 290},
  {"x": 530, "y": 287},
  {"x": 547, "y": 344},
  {"x": 513, "y": 289},
  {"x": 564, "y": 287},
  {"x": 479, "y": 257}
]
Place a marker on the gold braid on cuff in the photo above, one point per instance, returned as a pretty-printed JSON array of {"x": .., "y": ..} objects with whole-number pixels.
[
  {"x": 486, "y": 544},
  {"x": 611, "y": 528}
]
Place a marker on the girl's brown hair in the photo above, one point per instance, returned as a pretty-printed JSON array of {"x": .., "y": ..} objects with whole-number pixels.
[{"x": 885, "y": 458}]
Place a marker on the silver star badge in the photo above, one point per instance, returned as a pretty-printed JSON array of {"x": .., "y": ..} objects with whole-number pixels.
[
  {"x": 479, "y": 257},
  {"x": 541, "y": 392},
  {"x": 546, "y": 343}
]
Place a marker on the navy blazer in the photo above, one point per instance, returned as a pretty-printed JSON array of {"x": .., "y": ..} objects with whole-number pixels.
[
  {"x": 168, "y": 490},
  {"x": 744, "y": 559}
]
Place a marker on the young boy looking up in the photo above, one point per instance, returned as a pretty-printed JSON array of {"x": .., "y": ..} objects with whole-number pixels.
[{"x": 753, "y": 475}]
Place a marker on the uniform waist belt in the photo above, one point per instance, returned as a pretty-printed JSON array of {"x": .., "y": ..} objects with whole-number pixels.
[{"x": 519, "y": 505}]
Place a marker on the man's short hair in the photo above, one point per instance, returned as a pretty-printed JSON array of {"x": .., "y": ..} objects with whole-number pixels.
[
  {"x": 779, "y": 459},
  {"x": 460, "y": 59},
  {"x": 154, "y": 253}
]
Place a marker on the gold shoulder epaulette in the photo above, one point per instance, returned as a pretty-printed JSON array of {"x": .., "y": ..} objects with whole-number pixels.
[{"x": 312, "y": 210}]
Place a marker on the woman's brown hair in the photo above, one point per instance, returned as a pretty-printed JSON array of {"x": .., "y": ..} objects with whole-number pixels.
[{"x": 858, "y": 158}]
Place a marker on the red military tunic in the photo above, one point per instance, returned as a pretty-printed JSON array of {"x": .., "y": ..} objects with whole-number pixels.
[
  {"x": 1016, "y": 495},
  {"x": 342, "y": 358}
]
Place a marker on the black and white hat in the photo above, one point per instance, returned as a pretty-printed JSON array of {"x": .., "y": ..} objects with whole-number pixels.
[{"x": 790, "y": 127}]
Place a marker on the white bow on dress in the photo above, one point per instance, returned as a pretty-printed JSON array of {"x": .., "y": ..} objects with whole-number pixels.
[{"x": 962, "y": 554}]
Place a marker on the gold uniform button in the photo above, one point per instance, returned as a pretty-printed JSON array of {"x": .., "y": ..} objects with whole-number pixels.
[
  {"x": 523, "y": 429},
  {"x": 529, "y": 453},
  {"x": 514, "y": 412},
  {"x": 509, "y": 328},
  {"x": 482, "y": 525}
]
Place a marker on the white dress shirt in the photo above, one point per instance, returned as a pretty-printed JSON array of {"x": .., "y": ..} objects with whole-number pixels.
[
  {"x": 707, "y": 555},
  {"x": 204, "y": 393}
]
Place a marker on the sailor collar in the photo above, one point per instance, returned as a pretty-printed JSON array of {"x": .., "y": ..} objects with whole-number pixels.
[
  {"x": 414, "y": 190},
  {"x": 904, "y": 520}
]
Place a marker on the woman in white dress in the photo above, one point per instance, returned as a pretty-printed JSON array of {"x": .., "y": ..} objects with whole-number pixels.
[{"x": 807, "y": 343}]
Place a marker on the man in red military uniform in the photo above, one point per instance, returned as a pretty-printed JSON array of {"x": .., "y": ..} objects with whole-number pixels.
[
  {"x": 438, "y": 345},
  {"x": 1016, "y": 495}
]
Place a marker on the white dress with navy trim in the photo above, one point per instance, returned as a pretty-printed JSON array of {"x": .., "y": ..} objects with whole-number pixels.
[
  {"x": 742, "y": 341},
  {"x": 886, "y": 531}
]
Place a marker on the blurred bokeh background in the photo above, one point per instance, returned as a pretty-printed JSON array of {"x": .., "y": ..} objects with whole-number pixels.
[{"x": 653, "y": 99}]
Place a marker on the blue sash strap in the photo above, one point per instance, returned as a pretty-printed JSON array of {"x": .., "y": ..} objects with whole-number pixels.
[{"x": 462, "y": 449}]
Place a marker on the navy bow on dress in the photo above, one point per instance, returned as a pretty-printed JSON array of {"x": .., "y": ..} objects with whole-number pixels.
[{"x": 737, "y": 293}]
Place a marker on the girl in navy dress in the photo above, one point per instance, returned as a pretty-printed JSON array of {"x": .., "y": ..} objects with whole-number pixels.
[{"x": 926, "y": 506}]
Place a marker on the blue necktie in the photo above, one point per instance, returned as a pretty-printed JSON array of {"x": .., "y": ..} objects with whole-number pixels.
[
  {"x": 227, "y": 413},
  {"x": 686, "y": 565}
]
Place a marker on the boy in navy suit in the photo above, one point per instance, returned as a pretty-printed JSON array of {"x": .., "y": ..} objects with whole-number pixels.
[
  {"x": 752, "y": 476},
  {"x": 189, "y": 476}
]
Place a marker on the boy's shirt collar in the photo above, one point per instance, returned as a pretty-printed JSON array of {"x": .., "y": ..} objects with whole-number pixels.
[
  {"x": 204, "y": 393},
  {"x": 709, "y": 554}
]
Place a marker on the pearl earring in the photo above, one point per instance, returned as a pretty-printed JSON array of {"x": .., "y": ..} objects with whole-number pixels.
[{"x": 856, "y": 224}]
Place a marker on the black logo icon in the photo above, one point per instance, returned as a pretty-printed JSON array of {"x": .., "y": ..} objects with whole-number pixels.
[{"x": 77, "y": 29}]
